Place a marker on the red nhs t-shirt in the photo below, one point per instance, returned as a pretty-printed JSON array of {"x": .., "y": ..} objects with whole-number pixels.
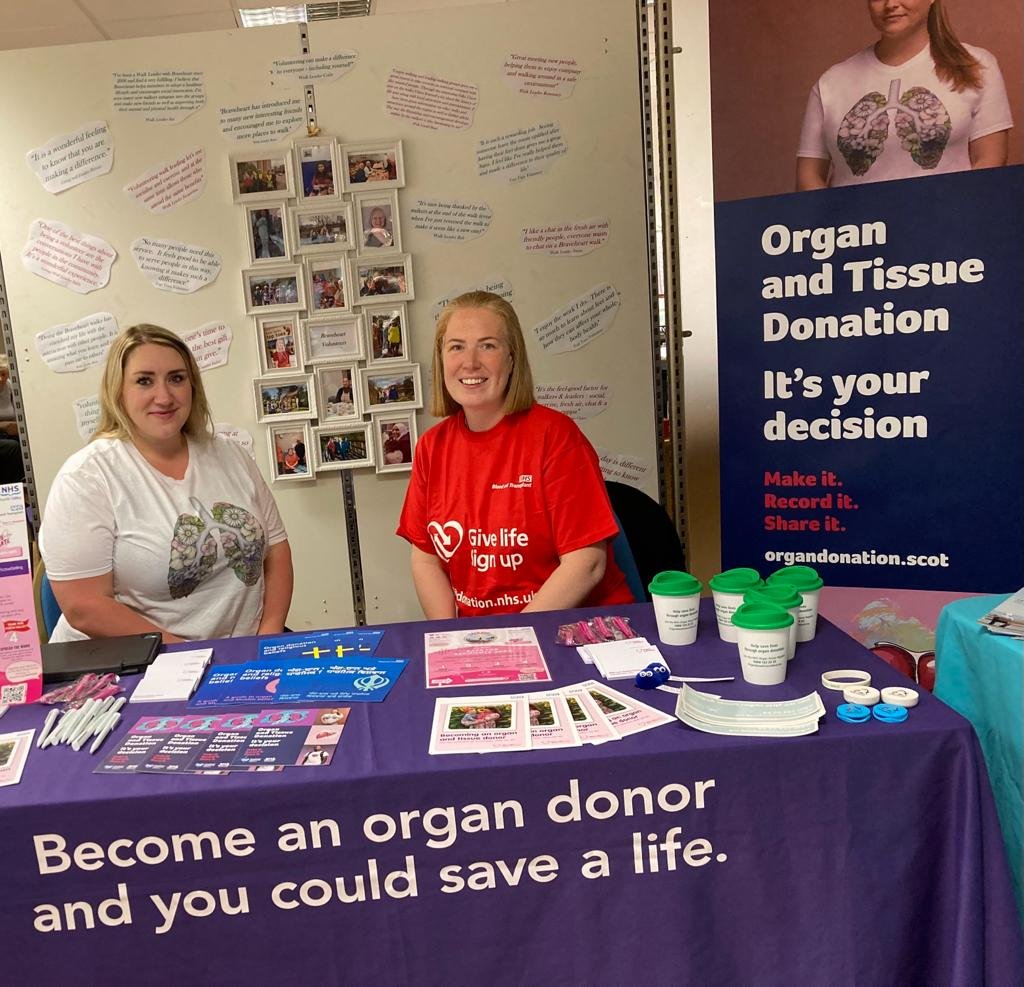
[{"x": 499, "y": 507}]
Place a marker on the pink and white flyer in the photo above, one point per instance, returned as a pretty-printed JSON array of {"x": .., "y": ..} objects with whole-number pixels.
[
  {"x": 480, "y": 725},
  {"x": 484, "y": 656},
  {"x": 21, "y": 662}
]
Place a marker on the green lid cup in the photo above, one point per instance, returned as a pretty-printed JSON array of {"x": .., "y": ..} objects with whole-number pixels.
[
  {"x": 787, "y": 598},
  {"x": 807, "y": 583},
  {"x": 728, "y": 588},
  {"x": 676, "y": 598},
  {"x": 762, "y": 631}
]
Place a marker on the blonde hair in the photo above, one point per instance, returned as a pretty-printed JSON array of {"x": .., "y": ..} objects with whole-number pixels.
[
  {"x": 954, "y": 64},
  {"x": 519, "y": 393},
  {"x": 114, "y": 422}
]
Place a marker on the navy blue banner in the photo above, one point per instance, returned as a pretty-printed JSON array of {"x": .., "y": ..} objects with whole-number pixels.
[{"x": 871, "y": 351}]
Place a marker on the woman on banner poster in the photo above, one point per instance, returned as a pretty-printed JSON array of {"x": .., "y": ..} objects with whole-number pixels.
[{"x": 915, "y": 103}]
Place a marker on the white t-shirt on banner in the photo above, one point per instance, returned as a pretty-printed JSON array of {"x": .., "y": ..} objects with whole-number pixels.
[
  {"x": 187, "y": 554},
  {"x": 878, "y": 122}
]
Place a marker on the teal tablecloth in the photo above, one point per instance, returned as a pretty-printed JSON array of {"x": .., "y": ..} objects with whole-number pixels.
[{"x": 981, "y": 675}]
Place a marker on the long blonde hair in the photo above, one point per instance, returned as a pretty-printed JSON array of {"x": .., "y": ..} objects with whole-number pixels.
[
  {"x": 954, "y": 64},
  {"x": 114, "y": 422}
]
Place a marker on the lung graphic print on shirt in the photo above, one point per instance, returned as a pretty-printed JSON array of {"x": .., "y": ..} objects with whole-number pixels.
[
  {"x": 922, "y": 125},
  {"x": 194, "y": 546},
  {"x": 446, "y": 537}
]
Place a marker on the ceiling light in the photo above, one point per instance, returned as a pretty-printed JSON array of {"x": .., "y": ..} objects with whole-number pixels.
[{"x": 264, "y": 16}]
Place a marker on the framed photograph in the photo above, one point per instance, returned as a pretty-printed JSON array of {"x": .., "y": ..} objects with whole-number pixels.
[
  {"x": 266, "y": 233},
  {"x": 273, "y": 289},
  {"x": 337, "y": 393},
  {"x": 323, "y": 229},
  {"x": 377, "y": 223},
  {"x": 334, "y": 339},
  {"x": 317, "y": 171},
  {"x": 262, "y": 176},
  {"x": 341, "y": 447},
  {"x": 280, "y": 344},
  {"x": 284, "y": 399},
  {"x": 387, "y": 334},
  {"x": 291, "y": 450},
  {"x": 327, "y": 283},
  {"x": 395, "y": 436},
  {"x": 390, "y": 388},
  {"x": 372, "y": 165},
  {"x": 382, "y": 278}
]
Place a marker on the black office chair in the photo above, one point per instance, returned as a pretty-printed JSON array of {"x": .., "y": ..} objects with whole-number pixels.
[{"x": 650, "y": 537}]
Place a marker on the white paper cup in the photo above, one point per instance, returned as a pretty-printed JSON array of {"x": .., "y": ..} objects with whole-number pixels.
[
  {"x": 763, "y": 640},
  {"x": 787, "y": 598},
  {"x": 728, "y": 589},
  {"x": 808, "y": 584},
  {"x": 676, "y": 599}
]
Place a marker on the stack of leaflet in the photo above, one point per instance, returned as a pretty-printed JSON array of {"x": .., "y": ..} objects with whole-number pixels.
[
  {"x": 586, "y": 713},
  {"x": 1008, "y": 617},
  {"x": 712, "y": 714},
  {"x": 172, "y": 676},
  {"x": 620, "y": 659}
]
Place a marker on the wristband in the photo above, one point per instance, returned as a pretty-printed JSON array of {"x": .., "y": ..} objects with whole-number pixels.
[
  {"x": 865, "y": 695},
  {"x": 853, "y": 713},
  {"x": 887, "y": 713},
  {"x": 896, "y": 695},
  {"x": 845, "y": 678}
]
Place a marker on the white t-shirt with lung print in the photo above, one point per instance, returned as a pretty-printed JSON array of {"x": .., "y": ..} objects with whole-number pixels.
[
  {"x": 878, "y": 122},
  {"x": 187, "y": 554}
]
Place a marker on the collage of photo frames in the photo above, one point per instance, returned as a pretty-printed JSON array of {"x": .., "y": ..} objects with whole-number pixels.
[{"x": 327, "y": 286}]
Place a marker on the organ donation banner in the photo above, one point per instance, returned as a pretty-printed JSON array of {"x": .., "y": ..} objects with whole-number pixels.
[{"x": 871, "y": 335}]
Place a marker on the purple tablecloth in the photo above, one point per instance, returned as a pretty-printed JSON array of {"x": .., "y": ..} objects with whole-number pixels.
[{"x": 863, "y": 854}]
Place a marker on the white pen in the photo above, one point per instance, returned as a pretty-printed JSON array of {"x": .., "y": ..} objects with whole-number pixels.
[
  {"x": 112, "y": 721},
  {"x": 51, "y": 718},
  {"x": 89, "y": 708},
  {"x": 65, "y": 722}
]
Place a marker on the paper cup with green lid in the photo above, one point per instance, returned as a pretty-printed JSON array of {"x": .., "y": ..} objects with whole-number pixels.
[
  {"x": 762, "y": 630},
  {"x": 728, "y": 588},
  {"x": 676, "y": 598},
  {"x": 787, "y": 598},
  {"x": 808, "y": 584}
]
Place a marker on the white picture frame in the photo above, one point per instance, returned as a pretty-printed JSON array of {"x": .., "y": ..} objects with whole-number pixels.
[
  {"x": 279, "y": 344},
  {"x": 380, "y": 323},
  {"x": 381, "y": 278},
  {"x": 359, "y": 453},
  {"x": 323, "y": 228},
  {"x": 284, "y": 398},
  {"x": 327, "y": 281},
  {"x": 362, "y": 163},
  {"x": 337, "y": 392},
  {"x": 395, "y": 439},
  {"x": 391, "y": 388},
  {"x": 316, "y": 169},
  {"x": 262, "y": 175},
  {"x": 333, "y": 340},
  {"x": 283, "y": 281},
  {"x": 378, "y": 225},
  {"x": 267, "y": 233},
  {"x": 288, "y": 462}
]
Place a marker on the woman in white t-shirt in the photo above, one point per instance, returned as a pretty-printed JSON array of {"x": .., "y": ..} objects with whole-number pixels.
[
  {"x": 158, "y": 524},
  {"x": 918, "y": 102}
]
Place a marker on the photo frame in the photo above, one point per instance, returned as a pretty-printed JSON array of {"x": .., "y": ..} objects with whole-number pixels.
[
  {"x": 387, "y": 334},
  {"x": 337, "y": 392},
  {"x": 378, "y": 227},
  {"x": 381, "y": 279},
  {"x": 343, "y": 447},
  {"x": 279, "y": 343},
  {"x": 262, "y": 175},
  {"x": 395, "y": 438},
  {"x": 284, "y": 398},
  {"x": 388, "y": 389},
  {"x": 324, "y": 228},
  {"x": 267, "y": 234},
  {"x": 273, "y": 289},
  {"x": 333, "y": 340},
  {"x": 291, "y": 450},
  {"x": 327, "y": 284},
  {"x": 375, "y": 165},
  {"x": 316, "y": 169}
]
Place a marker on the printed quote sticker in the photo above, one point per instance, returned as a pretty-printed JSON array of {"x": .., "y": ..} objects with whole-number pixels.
[
  {"x": 520, "y": 154},
  {"x": 581, "y": 321},
  {"x": 174, "y": 266},
  {"x": 313, "y": 68},
  {"x": 69, "y": 348},
  {"x": 170, "y": 183},
  {"x": 162, "y": 96},
  {"x": 70, "y": 159},
  {"x": 565, "y": 240},
  {"x": 539, "y": 75},
  {"x": 74, "y": 260},
  {"x": 87, "y": 415},
  {"x": 499, "y": 286},
  {"x": 209, "y": 344},
  {"x": 447, "y": 219},
  {"x": 262, "y": 123},
  {"x": 430, "y": 102},
  {"x": 578, "y": 401}
]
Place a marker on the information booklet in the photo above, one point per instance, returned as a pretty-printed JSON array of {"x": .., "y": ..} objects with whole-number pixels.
[
  {"x": 21, "y": 663},
  {"x": 14, "y": 748},
  {"x": 214, "y": 743},
  {"x": 484, "y": 656}
]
